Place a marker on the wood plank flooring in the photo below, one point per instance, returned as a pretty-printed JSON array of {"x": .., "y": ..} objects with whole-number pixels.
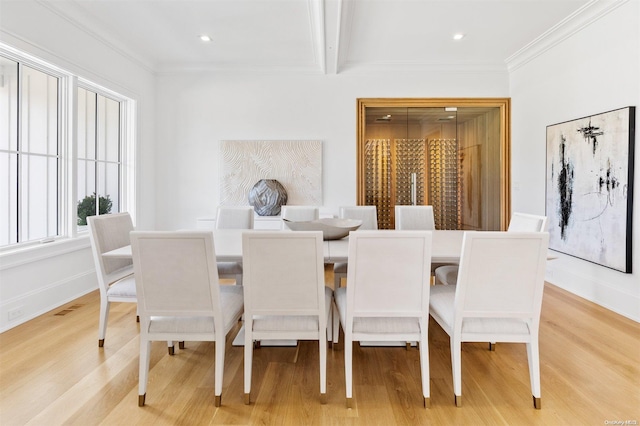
[{"x": 53, "y": 373}]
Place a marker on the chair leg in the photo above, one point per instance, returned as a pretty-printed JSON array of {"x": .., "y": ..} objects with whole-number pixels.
[
  {"x": 337, "y": 280},
  {"x": 348, "y": 367},
  {"x": 143, "y": 369},
  {"x": 323, "y": 370},
  {"x": 336, "y": 323},
  {"x": 248, "y": 360},
  {"x": 349, "y": 402},
  {"x": 456, "y": 367},
  {"x": 181, "y": 345},
  {"x": 330, "y": 325},
  {"x": 171, "y": 348},
  {"x": 295, "y": 356},
  {"x": 492, "y": 346},
  {"x": 219, "y": 368},
  {"x": 533, "y": 357},
  {"x": 104, "y": 315},
  {"x": 537, "y": 403},
  {"x": 423, "y": 347}
]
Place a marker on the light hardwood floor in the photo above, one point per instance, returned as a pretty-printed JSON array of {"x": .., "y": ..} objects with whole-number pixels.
[{"x": 52, "y": 373}]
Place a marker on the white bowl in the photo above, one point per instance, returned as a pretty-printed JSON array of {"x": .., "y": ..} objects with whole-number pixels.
[{"x": 332, "y": 228}]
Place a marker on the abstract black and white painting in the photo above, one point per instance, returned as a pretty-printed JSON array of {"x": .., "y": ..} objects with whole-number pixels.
[{"x": 590, "y": 187}]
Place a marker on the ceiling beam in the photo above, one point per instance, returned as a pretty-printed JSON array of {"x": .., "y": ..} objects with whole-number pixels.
[
  {"x": 332, "y": 12},
  {"x": 316, "y": 20}
]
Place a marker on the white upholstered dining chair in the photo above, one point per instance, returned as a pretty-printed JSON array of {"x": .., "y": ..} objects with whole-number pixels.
[
  {"x": 524, "y": 222},
  {"x": 417, "y": 218},
  {"x": 414, "y": 218},
  {"x": 230, "y": 217},
  {"x": 115, "y": 276},
  {"x": 180, "y": 297},
  {"x": 284, "y": 294},
  {"x": 369, "y": 217},
  {"x": 498, "y": 298},
  {"x": 387, "y": 295},
  {"x": 299, "y": 214},
  {"x": 520, "y": 222}
]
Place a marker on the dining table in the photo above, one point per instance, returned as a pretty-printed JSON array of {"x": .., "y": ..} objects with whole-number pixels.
[{"x": 446, "y": 247}]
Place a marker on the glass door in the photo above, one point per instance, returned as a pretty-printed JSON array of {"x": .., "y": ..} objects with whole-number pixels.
[{"x": 450, "y": 156}]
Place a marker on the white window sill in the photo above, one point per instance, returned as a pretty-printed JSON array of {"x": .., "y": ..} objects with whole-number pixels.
[{"x": 34, "y": 253}]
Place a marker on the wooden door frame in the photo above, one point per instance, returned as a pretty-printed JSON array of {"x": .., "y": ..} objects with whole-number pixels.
[{"x": 504, "y": 104}]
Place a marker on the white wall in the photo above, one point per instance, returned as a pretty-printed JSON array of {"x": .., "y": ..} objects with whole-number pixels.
[
  {"x": 36, "y": 280},
  {"x": 198, "y": 110},
  {"x": 594, "y": 70}
]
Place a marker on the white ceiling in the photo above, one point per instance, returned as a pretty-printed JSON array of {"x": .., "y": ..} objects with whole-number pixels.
[{"x": 325, "y": 36}]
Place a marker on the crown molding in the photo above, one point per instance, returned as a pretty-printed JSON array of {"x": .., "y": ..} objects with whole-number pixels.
[
  {"x": 417, "y": 66},
  {"x": 123, "y": 51},
  {"x": 572, "y": 24},
  {"x": 250, "y": 69},
  {"x": 17, "y": 45}
]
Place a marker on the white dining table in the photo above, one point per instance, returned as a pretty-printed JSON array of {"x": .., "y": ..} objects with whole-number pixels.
[{"x": 446, "y": 247}]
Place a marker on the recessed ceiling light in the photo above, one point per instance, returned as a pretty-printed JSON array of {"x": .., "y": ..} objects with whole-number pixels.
[
  {"x": 458, "y": 36},
  {"x": 204, "y": 37}
]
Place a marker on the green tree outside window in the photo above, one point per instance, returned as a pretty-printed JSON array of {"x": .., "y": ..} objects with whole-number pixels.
[{"x": 87, "y": 207}]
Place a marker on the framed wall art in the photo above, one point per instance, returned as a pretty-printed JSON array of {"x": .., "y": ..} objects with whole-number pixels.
[
  {"x": 589, "y": 188},
  {"x": 296, "y": 164}
]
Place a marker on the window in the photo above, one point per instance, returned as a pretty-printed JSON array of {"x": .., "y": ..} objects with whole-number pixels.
[
  {"x": 50, "y": 183},
  {"x": 29, "y": 146},
  {"x": 99, "y": 157}
]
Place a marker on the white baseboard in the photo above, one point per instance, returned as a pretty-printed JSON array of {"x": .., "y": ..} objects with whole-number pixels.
[{"x": 30, "y": 305}]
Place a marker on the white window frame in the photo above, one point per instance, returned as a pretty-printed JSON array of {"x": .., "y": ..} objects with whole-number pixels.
[
  {"x": 67, "y": 147},
  {"x": 127, "y": 172}
]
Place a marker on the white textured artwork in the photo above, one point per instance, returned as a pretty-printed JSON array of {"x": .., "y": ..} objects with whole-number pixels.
[{"x": 297, "y": 165}]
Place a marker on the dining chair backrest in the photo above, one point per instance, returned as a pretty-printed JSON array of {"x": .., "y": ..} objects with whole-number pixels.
[
  {"x": 235, "y": 217},
  {"x": 176, "y": 274},
  {"x": 388, "y": 274},
  {"x": 283, "y": 273},
  {"x": 520, "y": 222},
  {"x": 109, "y": 232},
  {"x": 497, "y": 298},
  {"x": 414, "y": 218},
  {"x": 284, "y": 294},
  {"x": 180, "y": 297},
  {"x": 367, "y": 214},
  {"x": 501, "y": 275},
  {"x": 387, "y": 295},
  {"x": 300, "y": 213},
  {"x": 523, "y": 222}
]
